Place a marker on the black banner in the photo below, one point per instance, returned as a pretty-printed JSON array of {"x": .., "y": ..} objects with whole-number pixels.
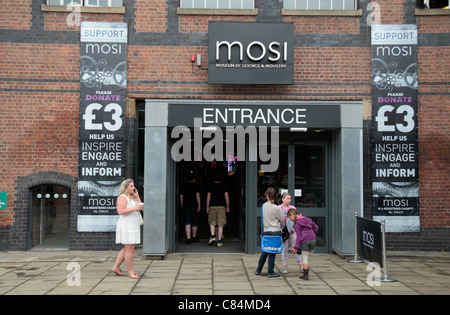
[
  {"x": 102, "y": 122},
  {"x": 395, "y": 166},
  {"x": 369, "y": 242}
]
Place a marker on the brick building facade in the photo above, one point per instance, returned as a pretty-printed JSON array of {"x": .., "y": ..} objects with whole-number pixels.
[{"x": 40, "y": 93}]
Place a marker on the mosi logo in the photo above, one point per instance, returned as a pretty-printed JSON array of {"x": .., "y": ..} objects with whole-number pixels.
[
  {"x": 368, "y": 238},
  {"x": 255, "y": 50}
]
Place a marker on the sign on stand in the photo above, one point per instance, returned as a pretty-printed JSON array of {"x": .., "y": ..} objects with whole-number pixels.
[
  {"x": 369, "y": 240},
  {"x": 370, "y": 243}
]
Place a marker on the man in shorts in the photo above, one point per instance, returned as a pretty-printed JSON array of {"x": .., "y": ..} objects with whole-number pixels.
[
  {"x": 190, "y": 205},
  {"x": 217, "y": 205}
]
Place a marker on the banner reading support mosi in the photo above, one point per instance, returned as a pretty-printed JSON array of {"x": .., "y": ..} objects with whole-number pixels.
[
  {"x": 102, "y": 157},
  {"x": 395, "y": 165}
]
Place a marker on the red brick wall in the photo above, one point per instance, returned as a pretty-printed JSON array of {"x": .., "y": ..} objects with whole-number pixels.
[
  {"x": 433, "y": 119},
  {"x": 150, "y": 16},
  {"x": 39, "y": 127},
  {"x": 199, "y": 23},
  {"x": 312, "y": 65},
  {"x": 324, "y": 24},
  {"x": 41, "y": 134},
  {"x": 434, "y": 159},
  {"x": 15, "y": 14},
  {"x": 392, "y": 11}
]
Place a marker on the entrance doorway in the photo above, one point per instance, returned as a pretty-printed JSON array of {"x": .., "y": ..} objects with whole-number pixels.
[
  {"x": 303, "y": 173},
  {"x": 232, "y": 173},
  {"x": 50, "y": 217},
  {"x": 336, "y": 127}
]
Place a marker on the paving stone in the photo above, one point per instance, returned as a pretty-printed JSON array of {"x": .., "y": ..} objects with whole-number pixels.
[{"x": 47, "y": 273}]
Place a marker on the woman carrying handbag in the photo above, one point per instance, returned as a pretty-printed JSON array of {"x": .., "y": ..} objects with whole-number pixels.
[{"x": 271, "y": 218}]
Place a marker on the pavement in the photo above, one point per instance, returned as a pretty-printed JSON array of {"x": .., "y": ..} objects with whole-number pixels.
[{"x": 89, "y": 273}]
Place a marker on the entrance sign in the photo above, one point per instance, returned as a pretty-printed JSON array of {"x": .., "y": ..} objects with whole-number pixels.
[
  {"x": 292, "y": 116},
  {"x": 102, "y": 157},
  {"x": 244, "y": 122},
  {"x": 395, "y": 166},
  {"x": 251, "y": 53}
]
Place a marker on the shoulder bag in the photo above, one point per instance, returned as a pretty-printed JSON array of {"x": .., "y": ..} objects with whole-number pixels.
[{"x": 271, "y": 244}]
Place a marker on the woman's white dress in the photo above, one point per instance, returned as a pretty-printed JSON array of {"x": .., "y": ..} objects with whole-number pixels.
[{"x": 128, "y": 229}]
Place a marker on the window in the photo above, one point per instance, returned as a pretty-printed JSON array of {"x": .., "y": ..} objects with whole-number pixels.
[
  {"x": 103, "y": 3},
  {"x": 65, "y": 2},
  {"x": 87, "y": 3},
  {"x": 319, "y": 4},
  {"x": 217, "y": 4},
  {"x": 434, "y": 4}
]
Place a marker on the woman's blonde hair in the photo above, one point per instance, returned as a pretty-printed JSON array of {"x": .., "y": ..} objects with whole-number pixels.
[{"x": 123, "y": 188}]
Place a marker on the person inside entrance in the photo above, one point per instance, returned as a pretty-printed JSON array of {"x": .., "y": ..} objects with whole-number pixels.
[
  {"x": 233, "y": 232},
  {"x": 190, "y": 206},
  {"x": 217, "y": 206}
]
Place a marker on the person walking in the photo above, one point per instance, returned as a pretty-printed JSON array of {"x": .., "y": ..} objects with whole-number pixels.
[
  {"x": 128, "y": 229},
  {"x": 272, "y": 217},
  {"x": 305, "y": 243},
  {"x": 215, "y": 199},
  {"x": 190, "y": 206},
  {"x": 285, "y": 206}
]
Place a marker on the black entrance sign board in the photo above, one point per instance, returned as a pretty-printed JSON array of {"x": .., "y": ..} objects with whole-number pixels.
[{"x": 289, "y": 116}]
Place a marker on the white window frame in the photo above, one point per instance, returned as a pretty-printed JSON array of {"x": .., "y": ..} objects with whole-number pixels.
[
  {"x": 83, "y": 3},
  {"x": 183, "y": 5},
  {"x": 61, "y": 2},
  {"x": 92, "y": 5},
  {"x": 307, "y": 5}
]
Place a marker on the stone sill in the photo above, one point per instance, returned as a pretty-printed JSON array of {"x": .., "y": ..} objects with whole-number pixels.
[
  {"x": 358, "y": 12},
  {"x": 181, "y": 11},
  {"x": 83, "y": 9},
  {"x": 431, "y": 12}
]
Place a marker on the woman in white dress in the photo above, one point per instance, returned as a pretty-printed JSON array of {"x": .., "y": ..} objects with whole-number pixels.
[{"x": 128, "y": 230}]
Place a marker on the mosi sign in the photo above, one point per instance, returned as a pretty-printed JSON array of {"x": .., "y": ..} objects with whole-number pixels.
[
  {"x": 273, "y": 49},
  {"x": 251, "y": 53}
]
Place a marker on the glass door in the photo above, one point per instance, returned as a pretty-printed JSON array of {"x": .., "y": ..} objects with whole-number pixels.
[
  {"x": 302, "y": 172},
  {"x": 310, "y": 189},
  {"x": 50, "y": 210},
  {"x": 279, "y": 180}
]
